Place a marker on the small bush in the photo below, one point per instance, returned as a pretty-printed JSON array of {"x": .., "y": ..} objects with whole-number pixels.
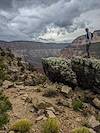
[
  {"x": 1, "y": 82},
  {"x": 5, "y": 106},
  {"x": 19, "y": 63},
  {"x": 2, "y": 70},
  {"x": 77, "y": 105},
  {"x": 2, "y": 75},
  {"x": 51, "y": 125},
  {"x": 81, "y": 130},
  {"x": 50, "y": 92},
  {"x": 22, "y": 126},
  {"x": 4, "y": 119},
  {"x": 38, "y": 78},
  {"x": 2, "y": 53}
]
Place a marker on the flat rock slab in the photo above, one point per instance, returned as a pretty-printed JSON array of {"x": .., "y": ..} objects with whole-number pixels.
[
  {"x": 92, "y": 122},
  {"x": 7, "y": 84},
  {"x": 50, "y": 114},
  {"x": 65, "y": 90},
  {"x": 96, "y": 102}
]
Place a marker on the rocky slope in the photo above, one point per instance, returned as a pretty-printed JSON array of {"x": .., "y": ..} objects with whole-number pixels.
[
  {"x": 15, "y": 69},
  {"x": 36, "y": 98}
]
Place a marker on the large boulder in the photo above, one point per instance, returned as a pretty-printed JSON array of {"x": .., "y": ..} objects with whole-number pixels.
[
  {"x": 84, "y": 71},
  {"x": 59, "y": 70},
  {"x": 87, "y": 72},
  {"x": 7, "y": 84}
]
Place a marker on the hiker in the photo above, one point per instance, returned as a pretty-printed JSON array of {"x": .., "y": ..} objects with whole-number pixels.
[{"x": 89, "y": 37}]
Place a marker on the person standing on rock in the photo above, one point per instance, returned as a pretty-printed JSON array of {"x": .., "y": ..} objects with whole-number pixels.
[{"x": 89, "y": 37}]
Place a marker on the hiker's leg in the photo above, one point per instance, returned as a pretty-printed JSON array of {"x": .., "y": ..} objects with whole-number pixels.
[{"x": 87, "y": 50}]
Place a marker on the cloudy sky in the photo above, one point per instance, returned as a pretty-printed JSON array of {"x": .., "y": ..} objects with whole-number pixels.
[{"x": 47, "y": 20}]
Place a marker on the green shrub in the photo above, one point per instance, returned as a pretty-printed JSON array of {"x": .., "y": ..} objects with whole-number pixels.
[
  {"x": 50, "y": 92},
  {"x": 38, "y": 78},
  {"x": 2, "y": 75},
  {"x": 5, "y": 106},
  {"x": 81, "y": 130},
  {"x": 2, "y": 53},
  {"x": 77, "y": 105},
  {"x": 4, "y": 119},
  {"x": 51, "y": 125},
  {"x": 2, "y": 70},
  {"x": 1, "y": 82},
  {"x": 22, "y": 126}
]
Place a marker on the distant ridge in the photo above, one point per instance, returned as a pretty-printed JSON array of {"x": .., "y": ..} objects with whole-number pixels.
[
  {"x": 78, "y": 47},
  {"x": 32, "y": 51},
  {"x": 22, "y": 41},
  {"x": 81, "y": 39}
]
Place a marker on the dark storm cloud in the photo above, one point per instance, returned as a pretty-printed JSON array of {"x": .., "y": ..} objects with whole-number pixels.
[
  {"x": 27, "y": 18},
  {"x": 35, "y": 2},
  {"x": 5, "y": 4}
]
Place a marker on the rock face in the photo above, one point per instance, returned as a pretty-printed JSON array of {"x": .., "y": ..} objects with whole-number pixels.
[
  {"x": 85, "y": 72},
  {"x": 59, "y": 70}
]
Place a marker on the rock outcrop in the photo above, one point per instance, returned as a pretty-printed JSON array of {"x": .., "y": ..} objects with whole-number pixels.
[
  {"x": 59, "y": 70},
  {"x": 13, "y": 70},
  {"x": 87, "y": 72},
  {"x": 84, "y": 71}
]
